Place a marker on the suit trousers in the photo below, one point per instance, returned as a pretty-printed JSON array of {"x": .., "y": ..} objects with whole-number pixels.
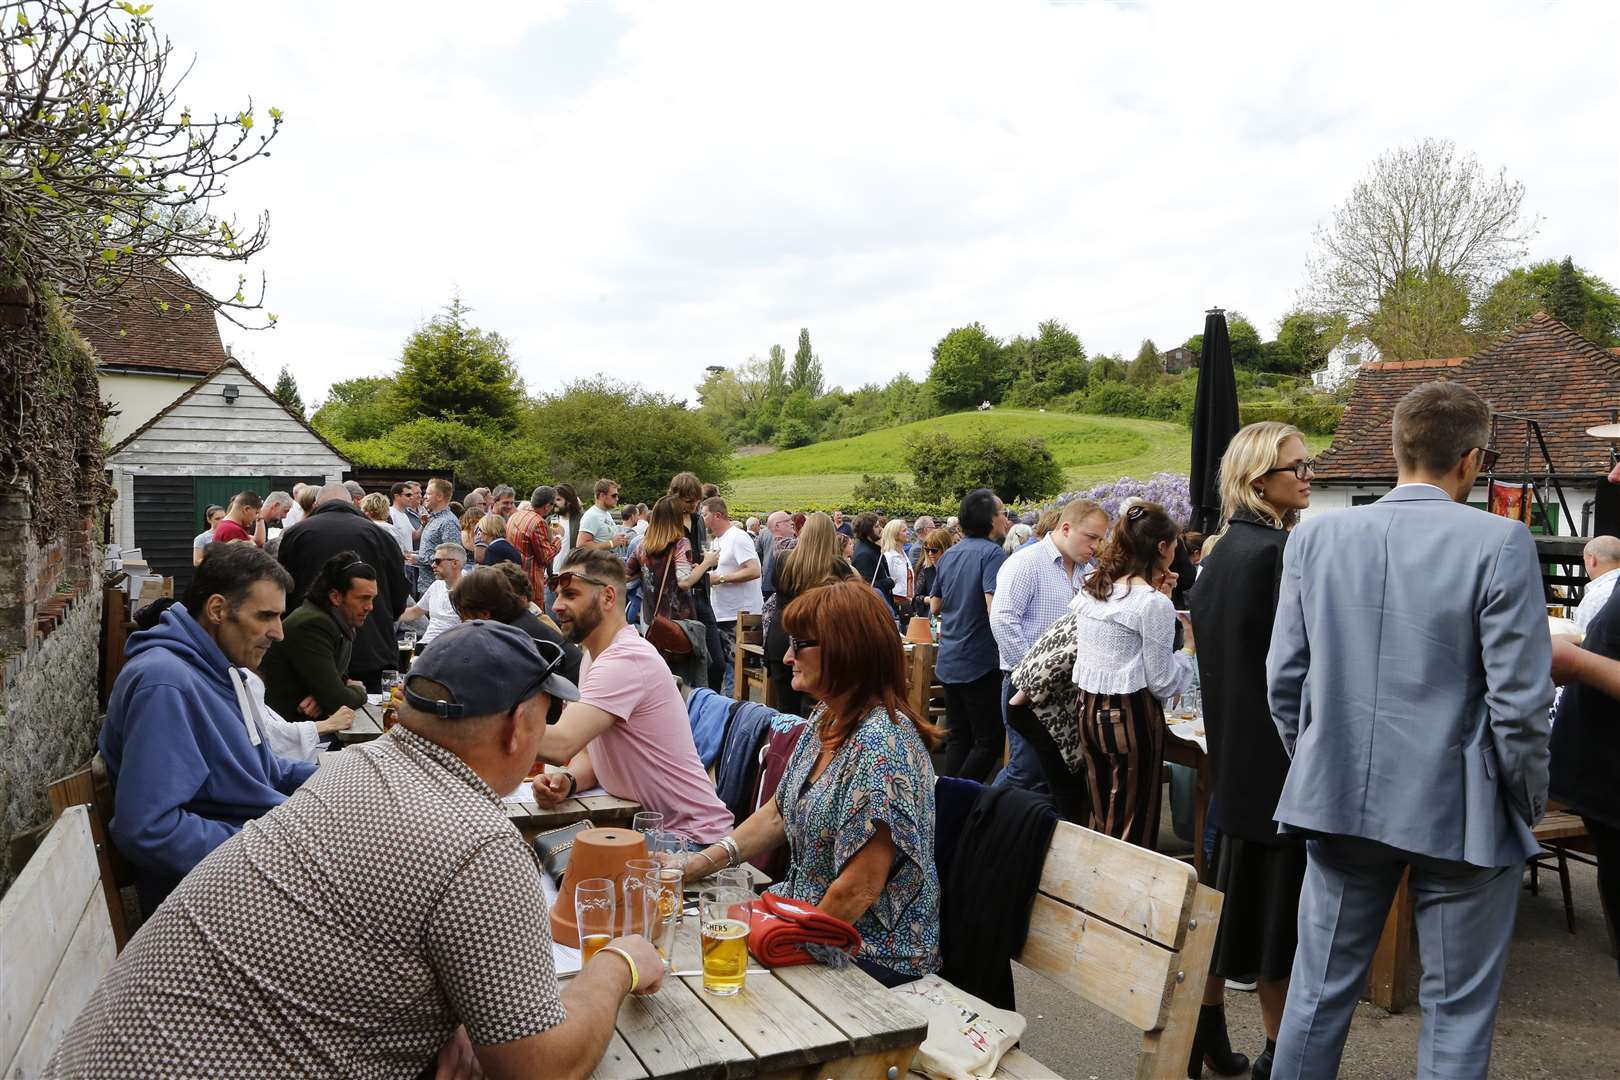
[{"x": 1464, "y": 921}]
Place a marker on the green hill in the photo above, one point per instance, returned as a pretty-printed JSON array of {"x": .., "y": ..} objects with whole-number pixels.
[{"x": 1089, "y": 448}]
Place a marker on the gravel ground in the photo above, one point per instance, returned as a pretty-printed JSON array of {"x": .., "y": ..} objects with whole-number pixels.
[{"x": 1559, "y": 1018}]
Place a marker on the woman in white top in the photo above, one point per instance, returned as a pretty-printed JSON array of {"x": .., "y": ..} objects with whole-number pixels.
[
  {"x": 1126, "y": 666},
  {"x": 893, "y": 546}
]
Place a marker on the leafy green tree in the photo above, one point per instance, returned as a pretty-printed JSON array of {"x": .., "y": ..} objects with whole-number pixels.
[
  {"x": 1528, "y": 289},
  {"x": 286, "y": 392},
  {"x": 1108, "y": 367},
  {"x": 450, "y": 370},
  {"x": 776, "y": 377},
  {"x": 1305, "y": 339},
  {"x": 797, "y": 423},
  {"x": 1047, "y": 366},
  {"x": 945, "y": 468},
  {"x": 1245, "y": 340},
  {"x": 806, "y": 372},
  {"x": 1423, "y": 316},
  {"x": 359, "y": 408},
  {"x": 1566, "y": 300},
  {"x": 600, "y": 427},
  {"x": 1148, "y": 365},
  {"x": 967, "y": 368},
  {"x": 472, "y": 454}
]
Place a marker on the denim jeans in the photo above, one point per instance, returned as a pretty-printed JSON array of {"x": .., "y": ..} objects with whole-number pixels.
[{"x": 1023, "y": 764}]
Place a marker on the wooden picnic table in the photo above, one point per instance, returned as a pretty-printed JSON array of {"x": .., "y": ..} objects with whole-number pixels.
[
  {"x": 1181, "y": 751},
  {"x": 797, "y": 1023},
  {"x": 367, "y": 725}
]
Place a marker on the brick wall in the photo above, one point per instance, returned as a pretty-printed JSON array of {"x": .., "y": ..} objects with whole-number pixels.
[{"x": 50, "y": 656}]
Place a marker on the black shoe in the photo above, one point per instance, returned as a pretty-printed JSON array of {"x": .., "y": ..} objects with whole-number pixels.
[
  {"x": 1212, "y": 1047},
  {"x": 1261, "y": 1069}
]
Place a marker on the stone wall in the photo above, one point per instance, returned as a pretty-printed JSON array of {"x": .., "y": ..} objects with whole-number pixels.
[{"x": 50, "y": 660}]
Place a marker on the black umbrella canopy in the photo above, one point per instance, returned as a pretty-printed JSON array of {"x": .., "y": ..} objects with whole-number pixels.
[{"x": 1215, "y": 421}]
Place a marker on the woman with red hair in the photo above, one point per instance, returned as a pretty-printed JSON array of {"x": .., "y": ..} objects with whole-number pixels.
[{"x": 856, "y": 802}]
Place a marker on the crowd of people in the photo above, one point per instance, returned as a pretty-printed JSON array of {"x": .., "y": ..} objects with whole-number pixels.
[{"x": 1375, "y": 685}]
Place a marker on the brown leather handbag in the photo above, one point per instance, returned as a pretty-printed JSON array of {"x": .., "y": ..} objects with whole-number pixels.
[{"x": 664, "y": 632}]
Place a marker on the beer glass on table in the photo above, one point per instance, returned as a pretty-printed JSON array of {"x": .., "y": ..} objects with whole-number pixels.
[
  {"x": 596, "y": 913},
  {"x": 665, "y": 888},
  {"x": 723, "y": 917},
  {"x": 640, "y": 903}
]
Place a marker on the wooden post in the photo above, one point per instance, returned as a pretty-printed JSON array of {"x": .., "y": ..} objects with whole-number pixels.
[{"x": 1387, "y": 980}]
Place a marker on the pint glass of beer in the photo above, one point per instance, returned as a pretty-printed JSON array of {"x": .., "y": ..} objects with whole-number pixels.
[
  {"x": 595, "y": 910},
  {"x": 723, "y": 915}
]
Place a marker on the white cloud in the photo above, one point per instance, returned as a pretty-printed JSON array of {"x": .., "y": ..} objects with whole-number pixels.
[{"x": 647, "y": 188}]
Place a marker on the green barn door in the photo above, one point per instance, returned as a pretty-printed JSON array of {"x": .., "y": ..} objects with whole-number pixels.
[{"x": 206, "y": 490}]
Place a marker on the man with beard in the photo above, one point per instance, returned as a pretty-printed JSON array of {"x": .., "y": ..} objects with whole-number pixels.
[{"x": 628, "y": 731}]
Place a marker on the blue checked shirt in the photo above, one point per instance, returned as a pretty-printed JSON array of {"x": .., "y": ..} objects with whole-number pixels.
[
  {"x": 441, "y": 528},
  {"x": 1032, "y": 592}
]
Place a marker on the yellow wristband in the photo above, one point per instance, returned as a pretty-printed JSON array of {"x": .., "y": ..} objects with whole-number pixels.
[{"x": 635, "y": 976}]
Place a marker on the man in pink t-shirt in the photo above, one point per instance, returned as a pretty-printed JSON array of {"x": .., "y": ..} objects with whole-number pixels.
[{"x": 629, "y": 730}]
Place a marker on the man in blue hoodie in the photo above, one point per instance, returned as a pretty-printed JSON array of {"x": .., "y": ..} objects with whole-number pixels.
[{"x": 184, "y": 741}]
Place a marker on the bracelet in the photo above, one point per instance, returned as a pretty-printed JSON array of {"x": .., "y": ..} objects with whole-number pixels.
[
  {"x": 573, "y": 786},
  {"x": 635, "y": 976},
  {"x": 733, "y": 856}
]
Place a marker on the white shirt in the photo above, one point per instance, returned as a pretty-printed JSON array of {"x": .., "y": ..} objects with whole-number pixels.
[
  {"x": 295, "y": 514},
  {"x": 298, "y": 740},
  {"x": 899, "y": 572},
  {"x": 736, "y": 551},
  {"x": 402, "y": 528},
  {"x": 441, "y": 613},
  {"x": 1597, "y": 594},
  {"x": 1129, "y": 642}
]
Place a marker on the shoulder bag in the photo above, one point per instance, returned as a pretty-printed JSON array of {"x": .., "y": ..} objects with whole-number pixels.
[{"x": 664, "y": 632}]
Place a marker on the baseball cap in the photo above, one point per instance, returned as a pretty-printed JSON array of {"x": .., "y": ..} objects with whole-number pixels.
[{"x": 488, "y": 667}]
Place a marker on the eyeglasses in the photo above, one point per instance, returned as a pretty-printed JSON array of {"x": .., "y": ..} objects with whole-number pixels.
[
  {"x": 1301, "y": 469},
  {"x": 568, "y": 577},
  {"x": 1487, "y": 457},
  {"x": 796, "y": 645}
]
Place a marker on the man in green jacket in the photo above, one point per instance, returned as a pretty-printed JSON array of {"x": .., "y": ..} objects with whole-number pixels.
[{"x": 304, "y": 672}]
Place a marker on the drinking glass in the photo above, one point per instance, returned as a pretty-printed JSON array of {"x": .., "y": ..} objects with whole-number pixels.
[
  {"x": 664, "y": 886},
  {"x": 732, "y": 877},
  {"x": 647, "y": 823},
  {"x": 723, "y": 918},
  {"x": 596, "y": 914},
  {"x": 640, "y": 902}
]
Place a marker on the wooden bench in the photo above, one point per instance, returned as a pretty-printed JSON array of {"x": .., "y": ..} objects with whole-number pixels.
[
  {"x": 1128, "y": 930},
  {"x": 923, "y": 691},
  {"x": 91, "y": 788},
  {"x": 750, "y": 681},
  {"x": 56, "y": 942}
]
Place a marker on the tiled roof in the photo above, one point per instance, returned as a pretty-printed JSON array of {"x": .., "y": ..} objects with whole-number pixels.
[
  {"x": 134, "y": 331},
  {"x": 1542, "y": 369}
]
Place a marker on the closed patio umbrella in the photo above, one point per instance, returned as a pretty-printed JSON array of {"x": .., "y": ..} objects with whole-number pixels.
[{"x": 1215, "y": 421}]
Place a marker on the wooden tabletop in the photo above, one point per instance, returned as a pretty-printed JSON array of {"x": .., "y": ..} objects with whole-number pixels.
[
  {"x": 367, "y": 725},
  {"x": 804, "y": 1023}
]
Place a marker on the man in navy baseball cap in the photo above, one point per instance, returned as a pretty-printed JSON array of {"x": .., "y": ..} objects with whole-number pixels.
[{"x": 485, "y": 668}]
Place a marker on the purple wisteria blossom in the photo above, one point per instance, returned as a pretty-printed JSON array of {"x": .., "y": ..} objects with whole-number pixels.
[{"x": 1169, "y": 490}]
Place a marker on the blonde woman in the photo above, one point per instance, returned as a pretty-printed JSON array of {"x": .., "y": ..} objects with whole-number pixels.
[
  {"x": 893, "y": 545},
  {"x": 816, "y": 559},
  {"x": 493, "y": 546},
  {"x": 1265, "y": 482}
]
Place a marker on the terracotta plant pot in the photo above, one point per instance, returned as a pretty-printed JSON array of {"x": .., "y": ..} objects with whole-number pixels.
[
  {"x": 597, "y": 853},
  {"x": 918, "y": 632}
]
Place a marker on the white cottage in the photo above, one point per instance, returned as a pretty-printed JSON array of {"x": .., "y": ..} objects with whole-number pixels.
[{"x": 224, "y": 434}]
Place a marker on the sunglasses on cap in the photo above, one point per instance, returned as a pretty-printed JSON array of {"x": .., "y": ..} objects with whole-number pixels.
[{"x": 568, "y": 577}]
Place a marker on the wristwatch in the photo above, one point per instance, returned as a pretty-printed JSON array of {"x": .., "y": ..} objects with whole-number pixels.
[{"x": 573, "y": 784}]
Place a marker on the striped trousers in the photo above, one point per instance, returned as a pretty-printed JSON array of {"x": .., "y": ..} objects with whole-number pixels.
[{"x": 1122, "y": 740}]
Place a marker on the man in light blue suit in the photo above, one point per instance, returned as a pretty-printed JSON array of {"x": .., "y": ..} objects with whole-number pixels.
[{"x": 1410, "y": 677}]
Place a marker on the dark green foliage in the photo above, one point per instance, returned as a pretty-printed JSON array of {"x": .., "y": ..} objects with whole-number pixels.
[
  {"x": 361, "y": 408},
  {"x": 599, "y": 427},
  {"x": 967, "y": 369},
  {"x": 1148, "y": 365},
  {"x": 286, "y": 392},
  {"x": 1319, "y": 417},
  {"x": 1047, "y": 366},
  {"x": 885, "y": 490},
  {"x": 946, "y": 468},
  {"x": 806, "y": 372},
  {"x": 474, "y": 455},
  {"x": 1304, "y": 340},
  {"x": 1528, "y": 289},
  {"x": 450, "y": 370}
]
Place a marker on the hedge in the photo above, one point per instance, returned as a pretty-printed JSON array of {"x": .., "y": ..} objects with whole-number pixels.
[{"x": 1317, "y": 418}]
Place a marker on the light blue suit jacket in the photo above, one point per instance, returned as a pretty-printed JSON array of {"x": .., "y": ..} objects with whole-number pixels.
[{"x": 1409, "y": 676}]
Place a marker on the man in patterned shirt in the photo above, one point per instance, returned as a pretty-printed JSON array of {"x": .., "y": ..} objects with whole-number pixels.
[
  {"x": 444, "y": 947},
  {"x": 530, "y": 532},
  {"x": 439, "y": 526}
]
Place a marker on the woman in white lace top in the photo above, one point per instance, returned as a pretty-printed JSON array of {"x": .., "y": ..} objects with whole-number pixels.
[{"x": 1126, "y": 666}]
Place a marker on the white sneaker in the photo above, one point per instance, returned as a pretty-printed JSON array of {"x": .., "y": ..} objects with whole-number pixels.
[{"x": 1246, "y": 987}]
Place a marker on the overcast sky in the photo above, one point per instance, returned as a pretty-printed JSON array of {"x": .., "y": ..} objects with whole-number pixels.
[{"x": 649, "y": 188}]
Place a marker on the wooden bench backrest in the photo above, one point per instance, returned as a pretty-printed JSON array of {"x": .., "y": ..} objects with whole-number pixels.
[
  {"x": 91, "y": 787},
  {"x": 751, "y": 628},
  {"x": 56, "y": 942},
  {"x": 1130, "y": 931}
]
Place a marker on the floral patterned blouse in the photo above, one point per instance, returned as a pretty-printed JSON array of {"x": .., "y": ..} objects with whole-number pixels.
[{"x": 881, "y": 773}]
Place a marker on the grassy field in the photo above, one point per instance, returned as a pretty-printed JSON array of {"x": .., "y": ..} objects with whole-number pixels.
[{"x": 1090, "y": 449}]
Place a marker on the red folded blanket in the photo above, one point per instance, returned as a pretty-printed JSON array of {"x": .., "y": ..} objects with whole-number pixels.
[{"x": 779, "y": 929}]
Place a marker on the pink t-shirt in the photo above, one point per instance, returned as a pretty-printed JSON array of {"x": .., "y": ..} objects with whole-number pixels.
[{"x": 649, "y": 755}]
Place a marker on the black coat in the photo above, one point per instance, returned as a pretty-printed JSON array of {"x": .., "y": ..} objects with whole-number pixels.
[
  {"x": 872, "y": 568},
  {"x": 1233, "y": 605},
  {"x": 1586, "y": 733},
  {"x": 337, "y": 526}
]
